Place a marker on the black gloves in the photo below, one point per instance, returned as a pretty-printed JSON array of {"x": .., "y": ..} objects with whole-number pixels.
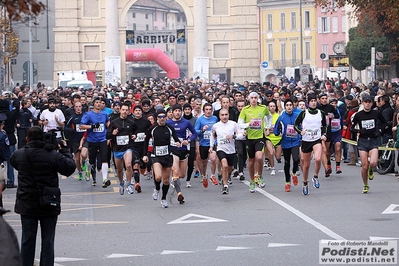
[{"x": 96, "y": 125}]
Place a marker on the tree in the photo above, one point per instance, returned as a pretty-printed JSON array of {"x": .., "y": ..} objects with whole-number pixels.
[
  {"x": 361, "y": 39},
  {"x": 383, "y": 14},
  {"x": 17, "y": 8}
]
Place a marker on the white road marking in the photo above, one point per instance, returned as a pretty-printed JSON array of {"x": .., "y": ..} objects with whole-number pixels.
[
  {"x": 204, "y": 219},
  {"x": 170, "y": 252},
  {"x": 222, "y": 248},
  {"x": 299, "y": 214},
  {"x": 117, "y": 256},
  {"x": 391, "y": 209},
  {"x": 278, "y": 245},
  {"x": 64, "y": 259}
]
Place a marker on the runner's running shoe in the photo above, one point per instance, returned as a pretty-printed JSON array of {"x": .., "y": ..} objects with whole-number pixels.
[
  {"x": 230, "y": 181},
  {"x": 220, "y": 179},
  {"x": 130, "y": 189},
  {"x": 316, "y": 183},
  {"x": 80, "y": 176},
  {"x": 273, "y": 172},
  {"x": 196, "y": 175},
  {"x": 87, "y": 175},
  {"x": 137, "y": 187},
  {"x": 225, "y": 190},
  {"x": 261, "y": 182},
  {"x": 365, "y": 189},
  {"x": 338, "y": 170},
  {"x": 242, "y": 177},
  {"x": 305, "y": 189},
  {"x": 328, "y": 171},
  {"x": 164, "y": 203},
  {"x": 106, "y": 183},
  {"x": 370, "y": 173},
  {"x": 205, "y": 181},
  {"x": 214, "y": 181},
  {"x": 294, "y": 179},
  {"x": 252, "y": 186},
  {"x": 287, "y": 187},
  {"x": 122, "y": 188},
  {"x": 155, "y": 194},
  {"x": 188, "y": 184},
  {"x": 84, "y": 167}
]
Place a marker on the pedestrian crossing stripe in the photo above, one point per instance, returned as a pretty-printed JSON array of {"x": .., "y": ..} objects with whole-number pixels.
[{"x": 203, "y": 219}]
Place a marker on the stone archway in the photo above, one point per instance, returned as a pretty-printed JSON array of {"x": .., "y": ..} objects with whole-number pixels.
[{"x": 124, "y": 6}]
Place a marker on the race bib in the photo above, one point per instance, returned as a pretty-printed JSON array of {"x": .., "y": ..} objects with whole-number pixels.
[
  {"x": 368, "y": 124},
  {"x": 335, "y": 124},
  {"x": 255, "y": 123},
  {"x": 222, "y": 141},
  {"x": 291, "y": 132},
  {"x": 312, "y": 134},
  {"x": 161, "y": 150},
  {"x": 207, "y": 134},
  {"x": 122, "y": 140},
  {"x": 77, "y": 127},
  {"x": 99, "y": 129},
  {"x": 140, "y": 137}
]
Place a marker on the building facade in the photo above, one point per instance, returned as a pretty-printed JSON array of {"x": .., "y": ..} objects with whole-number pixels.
[
  {"x": 281, "y": 38},
  {"x": 86, "y": 31}
]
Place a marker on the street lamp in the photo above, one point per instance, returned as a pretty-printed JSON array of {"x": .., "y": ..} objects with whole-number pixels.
[{"x": 300, "y": 31}]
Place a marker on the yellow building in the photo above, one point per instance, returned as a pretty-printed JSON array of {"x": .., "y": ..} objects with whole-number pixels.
[{"x": 280, "y": 37}]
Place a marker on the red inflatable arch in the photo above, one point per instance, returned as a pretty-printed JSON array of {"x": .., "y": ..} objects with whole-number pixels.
[{"x": 156, "y": 55}]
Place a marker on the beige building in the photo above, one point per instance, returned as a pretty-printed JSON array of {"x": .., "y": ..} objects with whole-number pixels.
[{"x": 226, "y": 31}]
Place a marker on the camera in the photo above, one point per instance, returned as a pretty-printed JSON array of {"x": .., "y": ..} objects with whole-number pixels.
[{"x": 50, "y": 139}]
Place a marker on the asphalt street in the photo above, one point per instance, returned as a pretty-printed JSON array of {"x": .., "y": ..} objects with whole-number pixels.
[{"x": 269, "y": 227}]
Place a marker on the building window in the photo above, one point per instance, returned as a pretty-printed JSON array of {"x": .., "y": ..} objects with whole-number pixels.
[
  {"x": 147, "y": 27},
  {"x": 163, "y": 16},
  {"x": 146, "y": 15},
  {"x": 270, "y": 52},
  {"x": 220, "y": 7},
  {"x": 293, "y": 53},
  {"x": 335, "y": 24},
  {"x": 91, "y": 8},
  {"x": 155, "y": 27},
  {"x": 178, "y": 19},
  {"x": 91, "y": 52},
  {"x": 282, "y": 52},
  {"x": 324, "y": 50},
  {"x": 133, "y": 15},
  {"x": 269, "y": 22},
  {"x": 293, "y": 20},
  {"x": 221, "y": 50},
  {"x": 307, "y": 19},
  {"x": 282, "y": 21},
  {"x": 154, "y": 16},
  {"x": 343, "y": 23},
  {"x": 307, "y": 50},
  {"x": 323, "y": 25},
  {"x": 134, "y": 26}
]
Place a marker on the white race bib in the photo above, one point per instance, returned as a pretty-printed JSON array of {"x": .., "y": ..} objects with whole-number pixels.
[
  {"x": 140, "y": 137},
  {"x": 161, "y": 150},
  {"x": 207, "y": 134},
  {"x": 77, "y": 127},
  {"x": 291, "y": 132},
  {"x": 255, "y": 123},
  {"x": 122, "y": 140},
  {"x": 99, "y": 129}
]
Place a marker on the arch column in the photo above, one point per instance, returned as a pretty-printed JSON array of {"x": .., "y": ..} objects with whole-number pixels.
[
  {"x": 111, "y": 29},
  {"x": 200, "y": 29}
]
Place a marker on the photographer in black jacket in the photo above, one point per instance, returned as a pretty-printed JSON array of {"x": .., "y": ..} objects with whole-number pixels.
[{"x": 38, "y": 170}]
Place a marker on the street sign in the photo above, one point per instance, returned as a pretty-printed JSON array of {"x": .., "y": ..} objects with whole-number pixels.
[
  {"x": 265, "y": 64},
  {"x": 379, "y": 56},
  {"x": 304, "y": 69},
  {"x": 304, "y": 78}
]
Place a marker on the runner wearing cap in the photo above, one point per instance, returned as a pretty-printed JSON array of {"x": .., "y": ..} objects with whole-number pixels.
[
  {"x": 370, "y": 124},
  {"x": 161, "y": 134}
]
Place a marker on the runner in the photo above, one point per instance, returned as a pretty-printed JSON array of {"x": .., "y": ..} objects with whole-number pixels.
[
  {"x": 180, "y": 154},
  {"x": 139, "y": 166},
  {"x": 256, "y": 119},
  {"x": 96, "y": 123},
  {"x": 311, "y": 124},
  {"x": 203, "y": 127},
  {"x": 370, "y": 123},
  {"x": 120, "y": 132},
  {"x": 290, "y": 142},
  {"x": 273, "y": 142},
  {"x": 162, "y": 159},
  {"x": 225, "y": 131}
]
